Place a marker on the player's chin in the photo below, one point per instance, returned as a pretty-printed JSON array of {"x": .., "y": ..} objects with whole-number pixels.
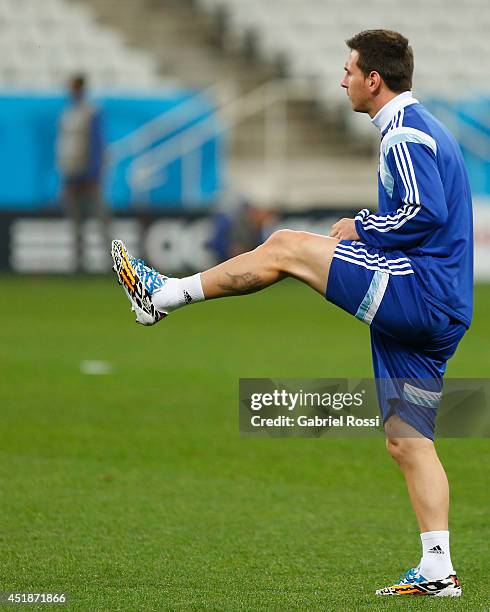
[{"x": 357, "y": 106}]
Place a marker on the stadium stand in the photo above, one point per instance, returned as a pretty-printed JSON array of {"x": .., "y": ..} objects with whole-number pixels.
[
  {"x": 191, "y": 47},
  {"x": 144, "y": 44},
  {"x": 449, "y": 38},
  {"x": 452, "y": 48},
  {"x": 42, "y": 42}
]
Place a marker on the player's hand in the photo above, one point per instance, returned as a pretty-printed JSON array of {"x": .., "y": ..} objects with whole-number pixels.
[{"x": 345, "y": 229}]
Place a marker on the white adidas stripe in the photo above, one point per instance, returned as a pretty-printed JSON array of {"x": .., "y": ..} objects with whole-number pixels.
[
  {"x": 378, "y": 264},
  {"x": 412, "y": 172},
  {"x": 373, "y": 256},
  {"x": 399, "y": 224},
  {"x": 397, "y": 120},
  {"x": 382, "y": 265},
  {"x": 361, "y": 246},
  {"x": 403, "y": 160},
  {"x": 409, "y": 179},
  {"x": 368, "y": 266},
  {"x": 390, "y": 218},
  {"x": 377, "y": 299},
  {"x": 423, "y": 393},
  {"x": 407, "y": 165},
  {"x": 402, "y": 171},
  {"x": 400, "y": 120}
]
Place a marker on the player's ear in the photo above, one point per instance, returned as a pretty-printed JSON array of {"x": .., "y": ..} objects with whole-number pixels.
[{"x": 374, "y": 81}]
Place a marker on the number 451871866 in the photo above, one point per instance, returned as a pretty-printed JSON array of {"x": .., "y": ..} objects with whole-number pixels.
[{"x": 33, "y": 598}]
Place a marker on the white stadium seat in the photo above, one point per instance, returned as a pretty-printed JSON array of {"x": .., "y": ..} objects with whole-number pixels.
[
  {"x": 42, "y": 42},
  {"x": 450, "y": 38}
]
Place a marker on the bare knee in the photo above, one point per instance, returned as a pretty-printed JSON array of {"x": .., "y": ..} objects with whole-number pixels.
[
  {"x": 284, "y": 245},
  {"x": 407, "y": 450},
  {"x": 302, "y": 255},
  {"x": 396, "y": 449}
]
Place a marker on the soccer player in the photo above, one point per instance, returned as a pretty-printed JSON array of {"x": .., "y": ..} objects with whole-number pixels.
[{"x": 406, "y": 271}]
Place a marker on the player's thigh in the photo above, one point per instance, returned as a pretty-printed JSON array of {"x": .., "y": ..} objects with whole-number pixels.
[
  {"x": 308, "y": 258},
  {"x": 379, "y": 289}
]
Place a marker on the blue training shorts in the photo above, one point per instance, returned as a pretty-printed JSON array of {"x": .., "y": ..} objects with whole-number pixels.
[{"x": 411, "y": 341}]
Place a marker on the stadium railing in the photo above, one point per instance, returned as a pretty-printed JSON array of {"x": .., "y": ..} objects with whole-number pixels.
[{"x": 150, "y": 161}]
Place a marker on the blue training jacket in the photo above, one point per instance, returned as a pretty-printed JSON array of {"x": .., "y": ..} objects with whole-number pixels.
[{"x": 425, "y": 207}]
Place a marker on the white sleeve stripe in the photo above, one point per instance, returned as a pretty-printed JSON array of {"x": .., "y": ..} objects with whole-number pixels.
[
  {"x": 368, "y": 225},
  {"x": 397, "y": 156},
  {"x": 408, "y": 178},
  {"x": 412, "y": 172},
  {"x": 398, "y": 124},
  {"x": 391, "y": 219},
  {"x": 406, "y": 171}
]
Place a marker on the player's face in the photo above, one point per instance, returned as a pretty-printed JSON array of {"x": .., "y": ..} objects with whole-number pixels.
[{"x": 356, "y": 84}]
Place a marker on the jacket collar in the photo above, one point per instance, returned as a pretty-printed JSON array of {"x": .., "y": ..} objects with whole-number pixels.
[{"x": 386, "y": 113}]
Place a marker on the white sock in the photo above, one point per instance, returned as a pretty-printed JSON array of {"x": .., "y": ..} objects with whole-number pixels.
[
  {"x": 178, "y": 292},
  {"x": 436, "y": 558}
]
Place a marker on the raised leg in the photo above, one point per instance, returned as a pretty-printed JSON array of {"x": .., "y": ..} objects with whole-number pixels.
[{"x": 302, "y": 255}]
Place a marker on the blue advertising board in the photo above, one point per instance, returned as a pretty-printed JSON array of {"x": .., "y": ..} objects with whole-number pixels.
[{"x": 29, "y": 179}]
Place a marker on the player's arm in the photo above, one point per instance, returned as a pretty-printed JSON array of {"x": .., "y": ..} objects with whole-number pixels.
[{"x": 423, "y": 208}]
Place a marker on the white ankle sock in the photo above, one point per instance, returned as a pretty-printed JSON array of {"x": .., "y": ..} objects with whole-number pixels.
[
  {"x": 177, "y": 292},
  {"x": 436, "y": 558}
]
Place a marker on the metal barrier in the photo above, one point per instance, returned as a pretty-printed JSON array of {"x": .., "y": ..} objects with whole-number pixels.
[{"x": 147, "y": 170}]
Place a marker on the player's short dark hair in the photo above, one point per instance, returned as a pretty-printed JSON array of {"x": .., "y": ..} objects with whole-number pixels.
[{"x": 386, "y": 52}]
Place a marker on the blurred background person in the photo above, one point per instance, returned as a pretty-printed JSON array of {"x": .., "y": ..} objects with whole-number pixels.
[
  {"x": 250, "y": 227},
  {"x": 240, "y": 226},
  {"x": 80, "y": 155}
]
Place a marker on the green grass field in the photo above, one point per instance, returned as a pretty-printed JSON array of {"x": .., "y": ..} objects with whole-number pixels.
[{"x": 134, "y": 490}]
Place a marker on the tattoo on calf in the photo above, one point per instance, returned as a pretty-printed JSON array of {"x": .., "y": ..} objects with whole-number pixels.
[{"x": 242, "y": 283}]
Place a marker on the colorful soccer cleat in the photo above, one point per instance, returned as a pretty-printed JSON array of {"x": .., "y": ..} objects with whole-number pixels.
[
  {"x": 139, "y": 282},
  {"x": 413, "y": 583}
]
